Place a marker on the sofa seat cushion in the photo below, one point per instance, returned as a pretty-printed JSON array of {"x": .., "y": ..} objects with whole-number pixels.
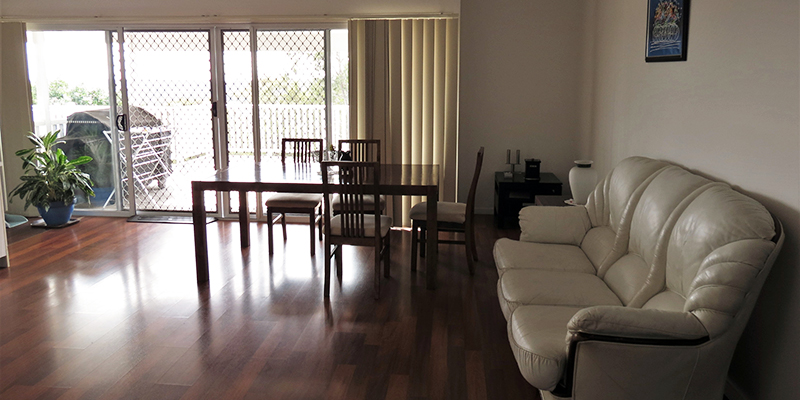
[
  {"x": 512, "y": 254},
  {"x": 535, "y": 287},
  {"x": 537, "y": 335}
]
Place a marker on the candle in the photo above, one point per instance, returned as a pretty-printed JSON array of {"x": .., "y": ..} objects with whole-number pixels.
[
  {"x": 517, "y": 157},
  {"x": 508, "y": 156}
]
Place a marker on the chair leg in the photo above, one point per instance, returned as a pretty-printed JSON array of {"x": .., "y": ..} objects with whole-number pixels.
[
  {"x": 338, "y": 253},
  {"x": 327, "y": 252},
  {"x": 311, "y": 225},
  {"x": 378, "y": 270},
  {"x": 283, "y": 225},
  {"x": 474, "y": 248},
  {"x": 414, "y": 243},
  {"x": 423, "y": 241},
  {"x": 469, "y": 250},
  {"x": 269, "y": 231},
  {"x": 469, "y": 232},
  {"x": 320, "y": 222},
  {"x": 387, "y": 255}
]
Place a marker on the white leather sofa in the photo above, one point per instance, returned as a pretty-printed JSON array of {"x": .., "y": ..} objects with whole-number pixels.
[{"x": 641, "y": 294}]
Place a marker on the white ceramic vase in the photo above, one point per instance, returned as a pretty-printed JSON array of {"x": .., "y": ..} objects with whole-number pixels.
[{"x": 582, "y": 180}]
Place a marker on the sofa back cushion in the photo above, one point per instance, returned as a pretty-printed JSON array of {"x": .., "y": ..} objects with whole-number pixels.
[
  {"x": 716, "y": 253},
  {"x": 609, "y": 200},
  {"x": 639, "y": 274},
  {"x": 609, "y": 206}
]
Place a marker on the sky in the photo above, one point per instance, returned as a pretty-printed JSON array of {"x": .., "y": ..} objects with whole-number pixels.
[{"x": 80, "y": 58}]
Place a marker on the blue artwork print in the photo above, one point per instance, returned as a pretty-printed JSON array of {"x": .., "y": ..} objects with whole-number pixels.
[{"x": 665, "y": 28}]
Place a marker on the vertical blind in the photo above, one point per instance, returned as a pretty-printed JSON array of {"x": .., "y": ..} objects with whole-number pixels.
[{"x": 404, "y": 91}]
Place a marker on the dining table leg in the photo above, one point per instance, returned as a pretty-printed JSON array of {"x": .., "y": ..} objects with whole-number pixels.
[
  {"x": 200, "y": 237},
  {"x": 244, "y": 220},
  {"x": 432, "y": 242}
]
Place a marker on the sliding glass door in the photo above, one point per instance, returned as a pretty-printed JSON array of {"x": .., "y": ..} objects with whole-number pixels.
[
  {"x": 69, "y": 74},
  {"x": 170, "y": 120},
  {"x": 159, "y": 108}
]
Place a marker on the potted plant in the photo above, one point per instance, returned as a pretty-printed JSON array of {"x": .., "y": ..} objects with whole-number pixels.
[{"x": 51, "y": 179}]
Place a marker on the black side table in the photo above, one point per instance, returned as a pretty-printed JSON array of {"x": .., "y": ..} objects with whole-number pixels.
[{"x": 513, "y": 193}]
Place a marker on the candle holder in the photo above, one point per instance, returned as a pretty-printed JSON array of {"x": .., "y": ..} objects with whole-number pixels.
[{"x": 510, "y": 174}]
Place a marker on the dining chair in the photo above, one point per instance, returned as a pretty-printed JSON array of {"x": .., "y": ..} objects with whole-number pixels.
[
  {"x": 361, "y": 150},
  {"x": 354, "y": 225},
  {"x": 451, "y": 217},
  {"x": 305, "y": 153}
]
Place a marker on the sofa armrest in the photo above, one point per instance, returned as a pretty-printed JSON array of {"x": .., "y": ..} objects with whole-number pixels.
[
  {"x": 636, "y": 323},
  {"x": 559, "y": 225},
  {"x": 658, "y": 347}
]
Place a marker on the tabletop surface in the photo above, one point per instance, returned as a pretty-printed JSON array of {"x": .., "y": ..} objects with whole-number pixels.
[{"x": 275, "y": 172}]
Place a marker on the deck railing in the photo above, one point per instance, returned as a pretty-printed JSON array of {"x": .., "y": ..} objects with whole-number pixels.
[{"x": 277, "y": 122}]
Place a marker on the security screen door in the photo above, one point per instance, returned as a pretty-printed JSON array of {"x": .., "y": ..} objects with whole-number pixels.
[
  {"x": 270, "y": 84},
  {"x": 277, "y": 86},
  {"x": 169, "y": 119}
]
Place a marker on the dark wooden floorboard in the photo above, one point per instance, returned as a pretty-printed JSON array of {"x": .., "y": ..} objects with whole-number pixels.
[{"x": 107, "y": 309}]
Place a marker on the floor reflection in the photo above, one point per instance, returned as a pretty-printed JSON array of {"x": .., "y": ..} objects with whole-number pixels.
[{"x": 112, "y": 310}]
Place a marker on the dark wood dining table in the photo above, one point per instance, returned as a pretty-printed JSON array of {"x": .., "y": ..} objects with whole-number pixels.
[{"x": 396, "y": 179}]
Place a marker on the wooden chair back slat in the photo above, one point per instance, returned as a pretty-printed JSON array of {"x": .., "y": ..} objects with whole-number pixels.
[
  {"x": 303, "y": 151},
  {"x": 362, "y": 150},
  {"x": 356, "y": 180}
]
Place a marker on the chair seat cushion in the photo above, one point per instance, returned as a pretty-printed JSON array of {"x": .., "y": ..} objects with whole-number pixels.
[
  {"x": 519, "y": 287},
  {"x": 512, "y": 254},
  {"x": 446, "y": 212},
  {"x": 369, "y": 225},
  {"x": 294, "y": 200},
  {"x": 369, "y": 202},
  {"x": 538, "y": 340}
]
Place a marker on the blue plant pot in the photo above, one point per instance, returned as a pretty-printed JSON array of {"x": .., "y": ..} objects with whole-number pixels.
[
  {"x": 101, "y": 195},
  {"x": 58, "y": 214}
]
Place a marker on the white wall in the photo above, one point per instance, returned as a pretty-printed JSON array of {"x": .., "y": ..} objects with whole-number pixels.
[
  {"x": 730, "y": 112},
  {"x": 520, "y": 87},
  {"x": 192, "y": 8}
]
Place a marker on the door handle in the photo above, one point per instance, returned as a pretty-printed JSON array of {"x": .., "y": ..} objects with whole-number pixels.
[
  {"x": 122, "y": 122},
  {"x": 214, "y": 109}
]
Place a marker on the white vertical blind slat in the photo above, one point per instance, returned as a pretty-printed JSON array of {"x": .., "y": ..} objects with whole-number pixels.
[
  {"x": 450, "y": 162},
  {"x": 439, "y": 95},
  {"x": 406, "y": 61}
]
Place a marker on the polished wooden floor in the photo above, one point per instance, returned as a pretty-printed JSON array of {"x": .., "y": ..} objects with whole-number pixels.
[{"x": 108, "y": 309}]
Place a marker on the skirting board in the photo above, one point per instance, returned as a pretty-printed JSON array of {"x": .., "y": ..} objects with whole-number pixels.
[{"x": 732, "y": 391}]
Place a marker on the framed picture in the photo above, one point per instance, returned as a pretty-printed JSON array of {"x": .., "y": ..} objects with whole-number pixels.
[{"x": 667, "y": 30}]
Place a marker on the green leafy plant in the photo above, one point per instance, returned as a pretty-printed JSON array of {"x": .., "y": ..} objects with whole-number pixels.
[{"x": 49, "y": 175}]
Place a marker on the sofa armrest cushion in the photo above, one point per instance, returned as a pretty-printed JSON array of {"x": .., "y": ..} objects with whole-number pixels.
[
  {"x": 636, "y": 323},
  {"x": 559, "y": 225}
]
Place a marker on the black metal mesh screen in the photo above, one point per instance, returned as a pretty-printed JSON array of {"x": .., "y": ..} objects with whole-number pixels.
[
  {"x": 169, "y": 96},
  {"x": 291, "y": 87},
  {"x": 238, "y": 70}
]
